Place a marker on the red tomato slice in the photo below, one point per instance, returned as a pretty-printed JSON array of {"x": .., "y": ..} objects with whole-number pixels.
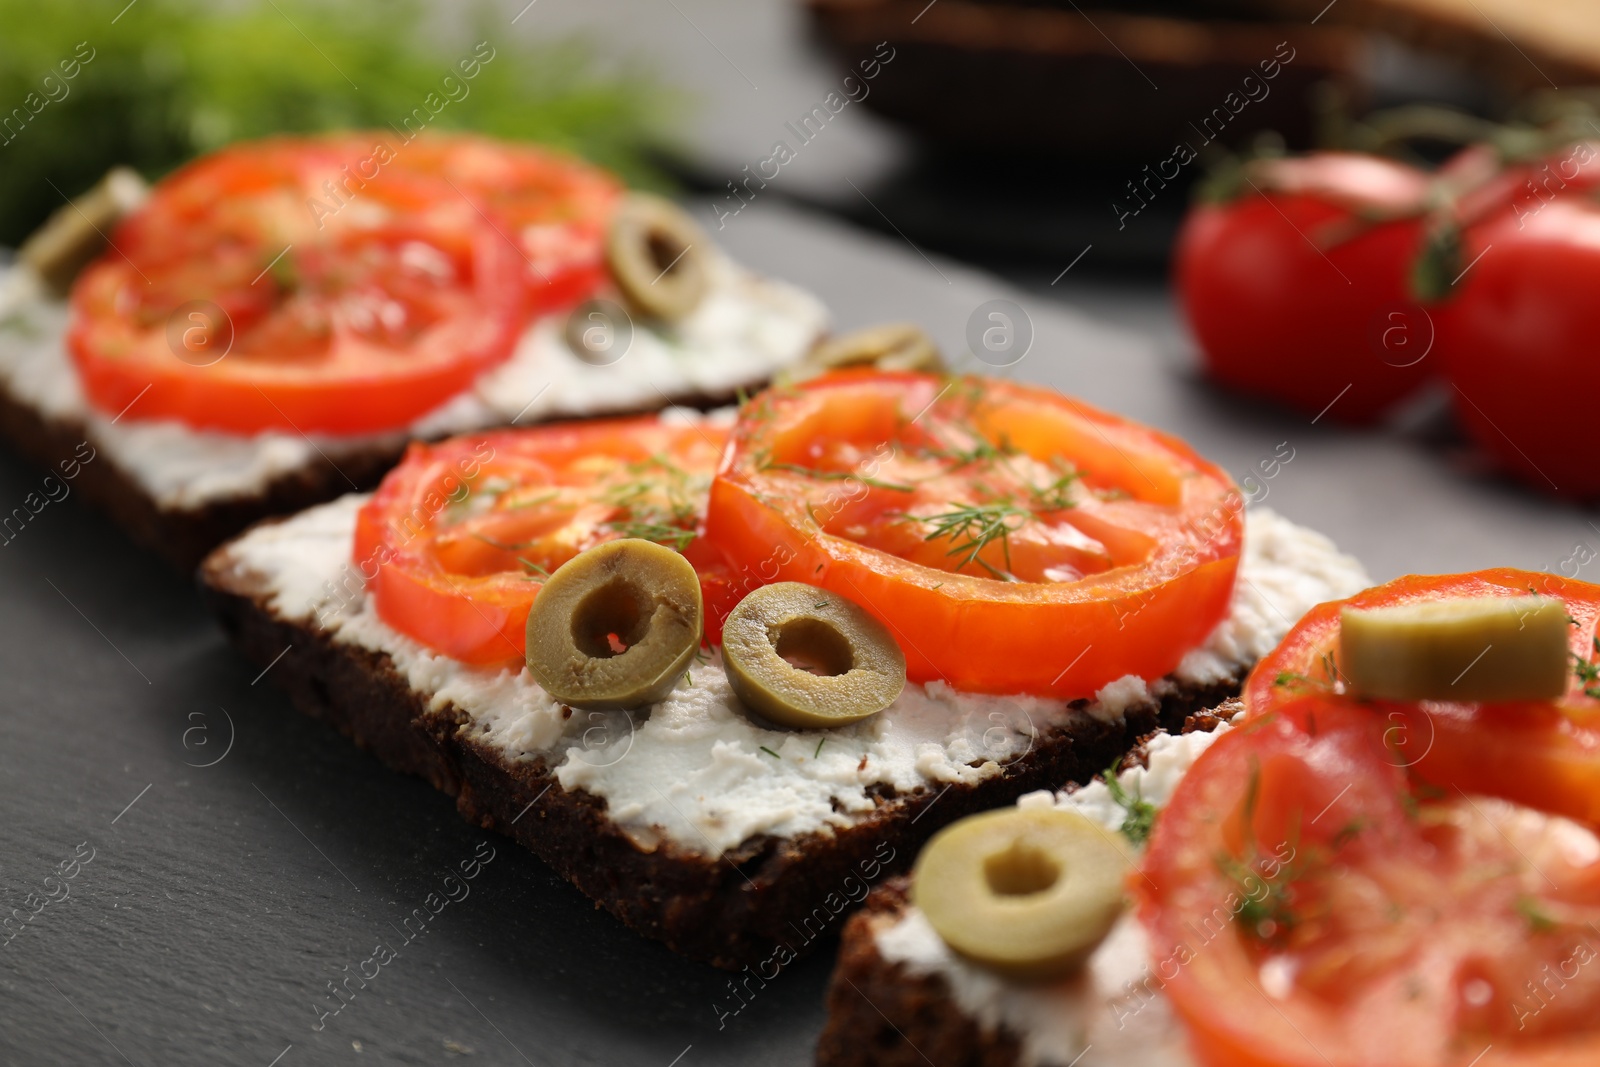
[
  {"x": 1545, "y": 754},
  {"x": 458, "y": 539},
  {"x": 332, "y": 284},
  {"x": 556, "y": 207},
  {"x": 1310, "y": 905},
  {"x": 1014, "y": 540},
  {"x": 1298, "y": 289}
]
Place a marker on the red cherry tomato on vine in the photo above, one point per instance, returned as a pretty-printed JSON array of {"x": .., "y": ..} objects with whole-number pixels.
[
  {"x": 1517, "y": 337},
  {"x": 1298, "y": 290}
]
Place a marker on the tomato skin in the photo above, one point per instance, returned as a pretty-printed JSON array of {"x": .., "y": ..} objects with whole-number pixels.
[
  {"x": 1306, "y": 904},
  {"x": 1489, "y": 186},
  {"x": 1517, "y": 340},
  {"x": 1063, "y": 638},
  {"x": 1545, "y": 754},
  {"x": 459, "y": 576},
  {"x": 1276, "y": 317}
]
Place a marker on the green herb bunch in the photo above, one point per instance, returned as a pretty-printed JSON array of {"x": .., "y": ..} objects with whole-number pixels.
[{"x": 170, "y": 79}]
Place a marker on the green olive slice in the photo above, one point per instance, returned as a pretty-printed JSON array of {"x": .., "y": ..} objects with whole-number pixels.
[
  {"x": 1029, "y": 893},
  {"x": 807, "y": 658},
  {"x": 76, "y": 232},
  {"x": 615, "y": 626},
  {"x": 1473, "y": 648},
  {"x": 657, "y": 257},
  {"x": 891, "y": 346}
]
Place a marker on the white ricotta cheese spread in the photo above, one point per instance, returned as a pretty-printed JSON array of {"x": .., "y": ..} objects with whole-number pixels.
[
  {"x": 745, "y": 330},
  {"x": 694, "y": 768},
  {"x": 1111, "y": 1005}
]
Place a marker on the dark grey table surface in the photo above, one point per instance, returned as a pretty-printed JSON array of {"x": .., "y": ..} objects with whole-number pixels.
[{"x": 245, "y": 857}]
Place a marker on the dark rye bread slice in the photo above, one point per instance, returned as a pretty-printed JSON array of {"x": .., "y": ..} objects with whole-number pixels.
[
  {"x": 183, "y": 536},
  {"x": 882, "y": 1015},
  {"x": 768, "y": 899}
]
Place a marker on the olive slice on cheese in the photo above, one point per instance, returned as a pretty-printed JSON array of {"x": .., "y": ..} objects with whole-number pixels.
[
  {"x": 78, "y": 230},
  {"x": 615, "y": 626},
  {"x": 1027, "y": 892},
  {"x": 891, "y": 346},
  {"x": 1470, "y": 649},
  {"x": 658, "y": 257},
  {"x": 807, "y": 658}
]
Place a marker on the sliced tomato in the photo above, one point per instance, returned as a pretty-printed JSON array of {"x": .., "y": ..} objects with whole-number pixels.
[
  {"x": 458, "y": 539},
  {"x": 557, "y": 208},
  {"x": 1542, "y": 753},
  {"x": 1311, "y": 905},
  {"x": 336, "y": 284},
  {"x": 1014, "y": 540}
]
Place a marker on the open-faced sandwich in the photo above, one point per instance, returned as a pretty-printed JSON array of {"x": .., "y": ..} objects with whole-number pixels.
[
  {"x": 723, "y": 678},
  {"x": 269, "y": 326},
  {"x": 1386, "y": 858}
]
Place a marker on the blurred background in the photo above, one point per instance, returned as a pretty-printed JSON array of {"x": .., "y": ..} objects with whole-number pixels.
[
  {"x": 1053, "y": 146},
  {"x": 904, "y": 160},
  {"x": 999, "y": 131}
]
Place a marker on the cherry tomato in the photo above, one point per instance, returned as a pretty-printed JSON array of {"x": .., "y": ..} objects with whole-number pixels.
[
  {"x": 1516, "y": 337},
  {"x": 1298, "y": 290},
  {"x": 1488, "y": 185},
  {"x": 1542, "y": 753},
  {"x": 1013, "y": 539},
  {"x": 1311, "y": 905},
  {"x": 458, "y": 539}
]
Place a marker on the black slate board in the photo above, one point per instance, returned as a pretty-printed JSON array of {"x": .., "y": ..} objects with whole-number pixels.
[{"x": 222, "y": 899}]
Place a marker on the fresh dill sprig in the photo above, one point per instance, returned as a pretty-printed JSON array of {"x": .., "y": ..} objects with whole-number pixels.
[
  {"x": 1587, "y": 673},
  {"x": 674, "y": 537},
  {"x": 1057, "y": 495},
  {"x": 771, "y": 753},
  {"x": 1539, "y": 921},
  {"x": 1328, "y": 681},
  {"x": 504, "y": 546},
  {"x": 1271, "y": 915},
  {"x": 839, "y": 476},
  {"x": 1139, "y": 815},
  {"x": 971, "y": 528}
]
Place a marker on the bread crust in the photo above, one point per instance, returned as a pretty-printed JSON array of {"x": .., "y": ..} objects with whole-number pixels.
[
  {"x": 882, "y": 1015},
  {"x": 768, "y": 897}
]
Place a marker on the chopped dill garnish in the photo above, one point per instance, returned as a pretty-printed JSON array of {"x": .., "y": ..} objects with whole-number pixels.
[
  {"x": 1330, "y": 676},
  {"x": 839, "y": 476},
  {"x": 1057, "y": 495},
  {"x": 1539, "y": 920},
  {"x": 1587, "y": 673},
  {"x": 1139, "y": 815},
  {"x": 970, "y": 528},
  {"x": 820, "y": 742},
  {"x": 1348, "y": 832},
  {"x": 1271, "y": 915},
  {"x": 769, "y": 752},
  {"x": 674, "y": 537}
]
